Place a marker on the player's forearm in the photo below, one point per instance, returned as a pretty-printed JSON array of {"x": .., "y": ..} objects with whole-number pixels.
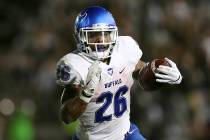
[
  {"x": 139, "y": 66},
  {"x": 72, "y": 109}
]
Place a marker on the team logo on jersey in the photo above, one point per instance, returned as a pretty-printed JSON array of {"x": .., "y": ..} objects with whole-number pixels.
[{"x": 110, "y": 71}]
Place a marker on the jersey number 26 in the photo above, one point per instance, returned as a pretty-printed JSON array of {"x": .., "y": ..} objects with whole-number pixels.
[{"x": 119, "y": 105}]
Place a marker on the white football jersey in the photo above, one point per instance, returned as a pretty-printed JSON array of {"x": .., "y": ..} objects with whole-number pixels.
[{"x": 107, "y": 116}]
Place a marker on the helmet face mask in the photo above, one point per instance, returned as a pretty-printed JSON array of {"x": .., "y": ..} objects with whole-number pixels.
[
  {"x": 98, "y": 41},
  {"x": 98, "y": 36}
]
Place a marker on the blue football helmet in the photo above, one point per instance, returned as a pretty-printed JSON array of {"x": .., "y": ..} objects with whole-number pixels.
[{"x": 96, "y": 32}]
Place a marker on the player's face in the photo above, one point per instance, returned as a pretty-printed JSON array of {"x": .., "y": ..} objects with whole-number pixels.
[{"x": 101, "y": 38}]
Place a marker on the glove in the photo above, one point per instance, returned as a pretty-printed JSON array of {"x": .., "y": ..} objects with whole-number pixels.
[
  {"x": 92, "y": 80},
  {"x": 166, "y": 74}
]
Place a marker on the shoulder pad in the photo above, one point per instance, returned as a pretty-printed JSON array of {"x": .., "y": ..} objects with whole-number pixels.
[{"x": 66, "y": 74}]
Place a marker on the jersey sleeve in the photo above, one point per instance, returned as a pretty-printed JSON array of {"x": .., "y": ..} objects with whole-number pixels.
[
  {"x": 66, "y": 73},
  {"x": 134, "y": 52},
  {"x": 130, "y": 50}
]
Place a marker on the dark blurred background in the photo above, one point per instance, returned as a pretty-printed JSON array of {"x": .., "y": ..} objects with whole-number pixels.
[{"x": 35, "y": 34}]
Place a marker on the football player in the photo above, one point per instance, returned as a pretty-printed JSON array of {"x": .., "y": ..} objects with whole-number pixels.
[{"x": 97, "y": 78}]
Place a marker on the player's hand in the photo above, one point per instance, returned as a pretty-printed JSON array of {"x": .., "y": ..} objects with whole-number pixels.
[
  {"x": 167, "y": 74},
  {"x": 92, "y": 80}
]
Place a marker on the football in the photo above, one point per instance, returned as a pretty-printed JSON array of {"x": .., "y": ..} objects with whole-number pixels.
[{"x": 147, "y": 79}]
